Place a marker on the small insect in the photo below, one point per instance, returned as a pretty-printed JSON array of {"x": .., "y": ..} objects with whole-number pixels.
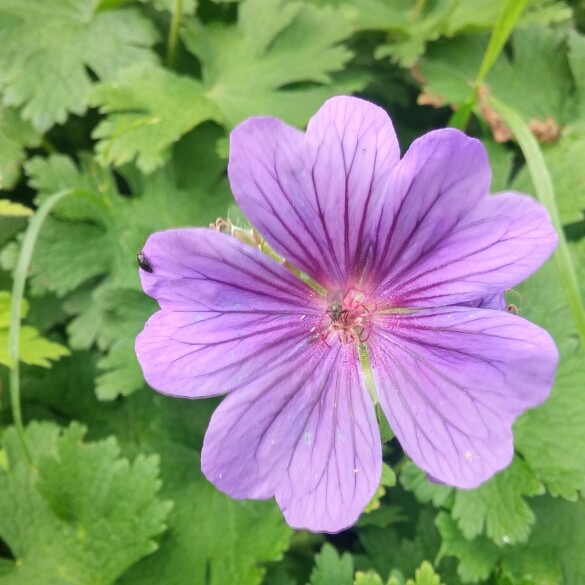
[
  {"x": 143, "y": 262},
  {"x": 511, "y": 308},
  {"x": 335, "y": 311}
]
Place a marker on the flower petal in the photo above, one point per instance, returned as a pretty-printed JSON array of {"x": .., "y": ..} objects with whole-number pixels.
[
  {"x": 306, "y": 432},
  {"x": 227, "y": 311},
  {"x": 452, "y": 381},
  {"x": 443, "y": 239},
  {"x": 496, "y": 301},
  {"x": 316, "y": 197}
]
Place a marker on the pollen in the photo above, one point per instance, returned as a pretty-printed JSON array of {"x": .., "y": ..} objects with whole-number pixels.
[{"x": 348, "y": 320}]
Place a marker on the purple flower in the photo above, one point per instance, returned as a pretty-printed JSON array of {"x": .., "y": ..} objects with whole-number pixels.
[{"x": 414, "y": 256}]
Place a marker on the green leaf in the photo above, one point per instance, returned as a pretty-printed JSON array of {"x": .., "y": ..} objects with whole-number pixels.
[
  {"x": 15, "y": 136},
  {"x": 483, "y": 14},
  {"x": 550, "y": 437},
  {"x": 10, "y": 209},
  {"x": 410, "y": 26},
  {"x": 147, "y": 112},
  {"x": 59, "y": 172},
  {"x": 498, "y": 507},
  {"x": 369, "y": 578},
  {"x": 477, "y": 558},
  {"x": 212, "y": 538},
  {"x": 450, "y": 67},
  {"x": 34, "y": 349},
  {"x": 538, "y": 51},
  {"x": 545, "y": 193},
  {"x": 80, "y": 498},
  {"x": 577, "y": 64},
  {"x": 112, "y": 317},
  {"x": 388, "y": 476},
  {"x": 554, "y": 553},
  {"x": 122, "y": 315},
  {"x": 564, "y": 161},
  {"x": 425, "y": 575},
  {"x": 69, "y": 253},
  {"x": 332, "y": 568},
  {"x": 56, "y": 269},
  {"x": 94, "y": 244},
  {"x": 249, "y": 68},
  {"x": 189, "y": 6},
  {"x": 415, "y": 480},
  {"x": 388, "y": 479},
  {"x": 387, "y": 549},
  {"x": 510, "y": 12},
  {"x": 49, "y": 45},
  {"x": 382, "y": 516},
  {"x": 402, "y": 18},
  {"x": 64, "y": 391},
  {"x": 244, "y": 70},
  {"x": 114, "y": 227},
  {"x": 418, "y": 28},
  {"x": 501, "y": 160}
]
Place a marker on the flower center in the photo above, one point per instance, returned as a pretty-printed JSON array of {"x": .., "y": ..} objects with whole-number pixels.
[{"x": 349, "y": 319}]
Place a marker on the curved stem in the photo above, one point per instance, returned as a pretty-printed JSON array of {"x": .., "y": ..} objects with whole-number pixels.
[
  {"x": 545, "y": 192},
  {"x": 22, "y": 268},
  {"x": 174, "y": 34},
  {"x": 510, "y": 12}
]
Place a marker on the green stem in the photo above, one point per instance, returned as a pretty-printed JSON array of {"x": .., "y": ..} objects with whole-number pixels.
[
  {"x": 20, "y": 275},
  {"x": 545, "y": 192},
  {"x": 418, "y": 8},
  {"x": 510, "y": 12},
  {"x": 174, "y": 34},
  {"x": 48, "y": 146}
]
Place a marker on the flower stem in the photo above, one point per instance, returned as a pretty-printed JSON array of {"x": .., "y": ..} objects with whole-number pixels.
[
  {"x": 417, "y": 11},
  {"x": 21, "y": 272},
  {"x": 545, "y": 192},
  {"x": 174, "y": 34},
  {"x": 510, "y": 12}
]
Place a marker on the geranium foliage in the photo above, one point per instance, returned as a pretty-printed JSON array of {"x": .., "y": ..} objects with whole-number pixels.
[{"x": 125, "y": 108}]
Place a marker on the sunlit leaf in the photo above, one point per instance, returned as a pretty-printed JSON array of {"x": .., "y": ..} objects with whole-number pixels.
[
  {"x": 34, "y": 349},
  {"x": 48, "y": 46},
  {"x": 82, "y": 515}
]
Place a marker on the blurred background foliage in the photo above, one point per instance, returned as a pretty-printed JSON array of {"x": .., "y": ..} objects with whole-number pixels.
[{"x": 128, "y": 104}]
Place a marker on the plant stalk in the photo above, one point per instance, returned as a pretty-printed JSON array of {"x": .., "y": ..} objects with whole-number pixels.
[
  {"x": 544, "y": 188},
  {"x": 510, "y": 12},
  {"x": 174, "y": 34},
  {"x": 20, "y": 275}
]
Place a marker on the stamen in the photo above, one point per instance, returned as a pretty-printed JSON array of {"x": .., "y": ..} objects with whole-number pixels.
[{"x": 349, "y": 320}]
